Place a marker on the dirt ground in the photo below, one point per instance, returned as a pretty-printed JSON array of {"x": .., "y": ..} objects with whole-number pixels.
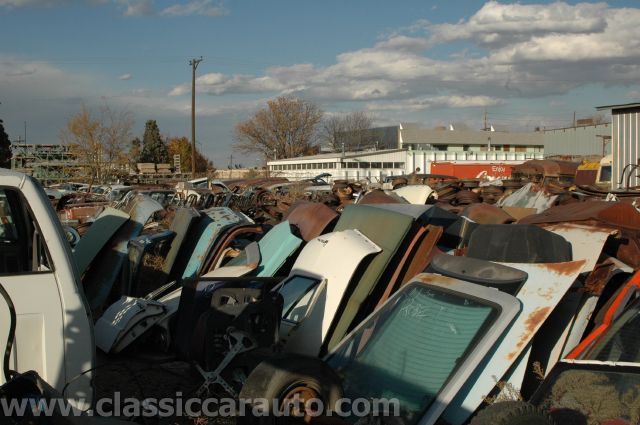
[{"x": 157, "y": 379}]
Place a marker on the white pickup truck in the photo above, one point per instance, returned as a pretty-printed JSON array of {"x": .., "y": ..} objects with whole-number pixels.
[{"x": 54, "y": 331}]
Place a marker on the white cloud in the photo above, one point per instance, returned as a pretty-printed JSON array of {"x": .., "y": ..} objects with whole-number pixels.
[
  {"x": 132, "y": 7},
  {"x": 137, "y": 7},
  {"x": 125, "y": 77},
  {"x": 195, "y": 7},
  {"x": 498, "y": 24},
  {"x": 509, "y": 50},
  {"x": 418, "y": 104},
  {"x": 31, "y": 3}
]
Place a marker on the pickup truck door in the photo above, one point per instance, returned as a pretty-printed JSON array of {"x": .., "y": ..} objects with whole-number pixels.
[{"x": 54, "y": 336}]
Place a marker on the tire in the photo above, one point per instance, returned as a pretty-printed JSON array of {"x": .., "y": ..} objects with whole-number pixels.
[
  {"x": 278, "y": 377},
  {"x": 512, "y": 413}
]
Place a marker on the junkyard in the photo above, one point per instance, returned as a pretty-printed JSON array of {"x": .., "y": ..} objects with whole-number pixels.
[{"x": 509, "y": 300}]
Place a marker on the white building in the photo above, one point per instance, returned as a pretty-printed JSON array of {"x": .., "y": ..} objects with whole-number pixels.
[{"x": 376, "y": 165}]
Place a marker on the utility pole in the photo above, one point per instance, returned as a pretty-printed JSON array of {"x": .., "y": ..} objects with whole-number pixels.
[
  {"x": 194, "y": 65},
  {"x": 485, "y": 120}
]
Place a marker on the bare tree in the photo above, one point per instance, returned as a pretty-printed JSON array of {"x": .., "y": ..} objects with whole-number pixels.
[
  {"x": 350, "y": 131},
  {"x": 99, "y": 141},
  {"x": 285, "y": 128}
]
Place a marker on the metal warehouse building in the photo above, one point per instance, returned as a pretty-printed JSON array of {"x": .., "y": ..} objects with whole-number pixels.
[
  {"x": 578, "y": 140},
  {"x": 624, "y": 142}
]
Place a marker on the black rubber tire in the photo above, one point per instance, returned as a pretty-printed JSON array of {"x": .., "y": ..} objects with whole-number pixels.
[
  {"x": 275, "y": 376},
  {"x": 512, "y": 413}
]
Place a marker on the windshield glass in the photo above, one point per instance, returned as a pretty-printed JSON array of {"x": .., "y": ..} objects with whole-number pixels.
[
  {"x": 620, "y": 343},
  {"x": 410, "y": 347},
  {"x": 297, "y": 293}
]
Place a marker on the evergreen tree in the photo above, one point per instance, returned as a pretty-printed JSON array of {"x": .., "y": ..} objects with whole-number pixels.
[
  {"x": 153, "y": 148},
  {"x": 5, "y": 148}
]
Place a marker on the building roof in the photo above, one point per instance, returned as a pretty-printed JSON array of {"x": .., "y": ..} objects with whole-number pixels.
[
  {"x": 414, "y": 134},
  {"x": 337, "y": 155},
  {"x": 620, "y": 106}
]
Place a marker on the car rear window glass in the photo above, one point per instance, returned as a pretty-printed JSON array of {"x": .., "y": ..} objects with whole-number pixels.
[{"x": 410, "y": 347}]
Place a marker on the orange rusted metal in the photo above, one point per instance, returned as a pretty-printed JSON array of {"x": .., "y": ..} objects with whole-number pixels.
[
  {"x": 486, "y": 214},
  {"x": 311, "y": 218}
]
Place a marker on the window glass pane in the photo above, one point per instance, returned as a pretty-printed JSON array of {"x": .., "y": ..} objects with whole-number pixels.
[
  {"x": 620, "y": 343},
  {"x": 297, "y": 292},
  {"x": 21, "y": 252},
  {"x": 410, "y": 347},
  {"x": 605, "y": 173},
  {"x": 8, "y": 228}
]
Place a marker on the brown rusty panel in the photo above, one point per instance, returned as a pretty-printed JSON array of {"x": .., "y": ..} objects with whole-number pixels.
[
  {"x": 78, "y": 213},
  {"x": 598, "y": 278},
  {"x": 379, "y": 197},
  {"x": 586, "y": 177},
  {"x": 534, "y": 320},
  {"x": 486, "y": 214},
  {"x": 519, "y": 213},
  {"x": 423, "y": 254},
  {"x": 311, "y": 218},
  {"x": 546, "y": 167},
  {"x": 416, "y": 258},
  {"x": 616, "y": 214},
  {"x": 629, "y": 250},
  {"x": 234, "y": 233}
]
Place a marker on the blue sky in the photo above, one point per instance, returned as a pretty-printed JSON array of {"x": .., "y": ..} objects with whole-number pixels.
[{"x": 528, "y": 63}]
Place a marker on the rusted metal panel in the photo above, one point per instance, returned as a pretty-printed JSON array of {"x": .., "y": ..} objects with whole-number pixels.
[
  {"x": 98, "y": 235},
  {"x": 543, "y": 290},
  {"x": 217, "y": 254},
  {"x": 380, "y": 197},
  {"x": 586, "y": 241},
  {"x": 546, "y": 168},
  {"x": 99, "y": 280},
  {"x": 311, "y": 218},
  {"x": 486, "y": 214},
  {"x": 519, "y": 213},
  {"x": 616, "y": 214}
]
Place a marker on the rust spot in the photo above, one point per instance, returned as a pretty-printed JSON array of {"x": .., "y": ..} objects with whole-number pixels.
[
  {"x": 546, "y": 294},
  {"x": 566, "y": 269},
  {"x": 435, "y": 278},
  {"x": 534, "y": 320}
]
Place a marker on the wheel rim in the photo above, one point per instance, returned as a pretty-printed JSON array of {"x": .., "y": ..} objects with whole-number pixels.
[{"x": 295, "y": 400}]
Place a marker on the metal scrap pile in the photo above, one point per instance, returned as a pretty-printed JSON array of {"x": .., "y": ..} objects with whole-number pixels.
[{"x": 446, "y": 296}]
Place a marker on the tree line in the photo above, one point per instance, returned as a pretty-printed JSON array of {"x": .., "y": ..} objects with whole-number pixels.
[
  {"x": 103, "y": 142},
  {"x": 5, "y": 148},
  {"x": 289, "y": 127}
]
